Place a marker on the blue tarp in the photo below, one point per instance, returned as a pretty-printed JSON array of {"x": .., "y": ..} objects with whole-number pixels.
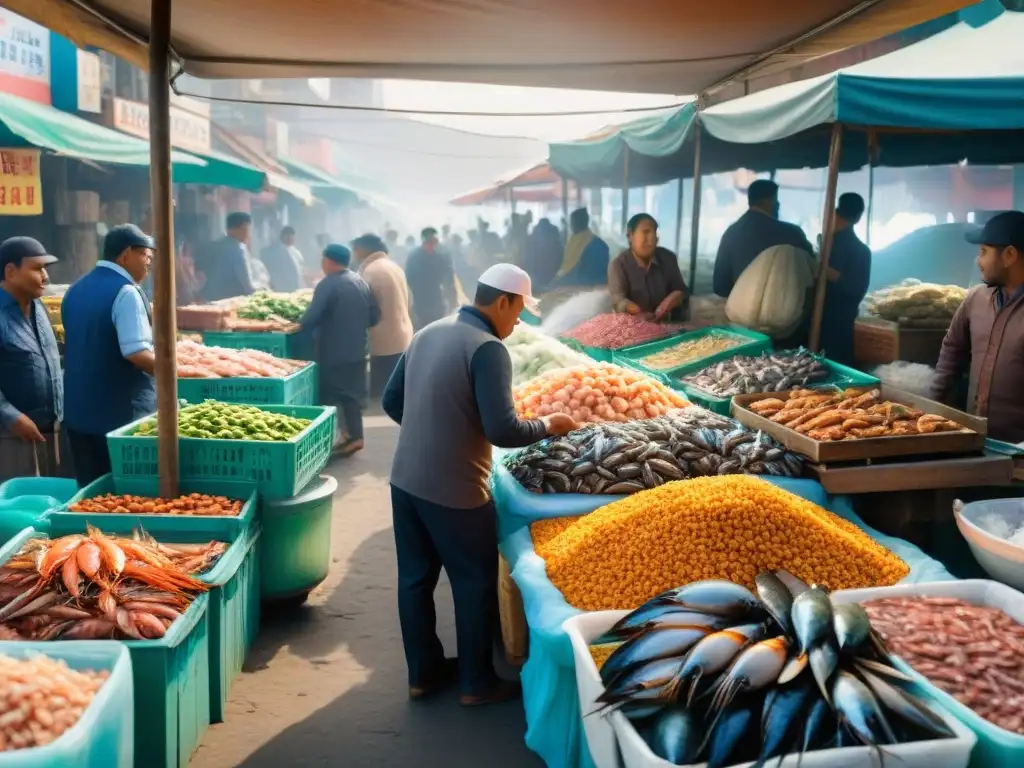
[{"x": 554, "y": 729}]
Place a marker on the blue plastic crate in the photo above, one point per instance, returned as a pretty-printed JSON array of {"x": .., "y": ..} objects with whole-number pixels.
[
  {"x": 104, "y": 737},
  {"x": 62, "y": 521}
]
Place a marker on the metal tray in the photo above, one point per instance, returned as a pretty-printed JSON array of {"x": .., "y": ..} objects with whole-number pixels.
[{"x": 871, "y": 447}]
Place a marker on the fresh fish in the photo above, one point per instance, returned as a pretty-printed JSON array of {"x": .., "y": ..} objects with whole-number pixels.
[
  {"x": 715, "y": 596},
  {"x": 643, "y": 677},
  {"x": 756, "y": 668},
  {"x": 777, "y": 599},
  {"x": 715, "y": 653},
  {"x": 729, "y": 734},
  {"x": 852, "y": 626},
  {"x": 811, "y": 615},
  {"x": 675, "y": 736},
  {"x": 824, "y": 660},
  {"x": 907, "y": 707},
  {"x": 820, "y": 727},
  {"x": 652, "y": 645},
  {"x": 658, "y": 615},
  {"x": 795, "y": 585},
  {"x": 781, "y": 719},
  {"x": 884, "y": 670},
  {"x": 858, "y": 711}
]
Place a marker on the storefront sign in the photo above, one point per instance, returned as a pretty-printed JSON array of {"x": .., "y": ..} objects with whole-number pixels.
[
  {"x": 89, "y": 81},
  {"x": 21, "y": 191},
  {"x": 24, "y": 57},
  {"x": 189, "y": 131}
]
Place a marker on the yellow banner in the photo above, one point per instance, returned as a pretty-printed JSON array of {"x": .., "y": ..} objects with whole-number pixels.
[{"x": 21, "y": 189}]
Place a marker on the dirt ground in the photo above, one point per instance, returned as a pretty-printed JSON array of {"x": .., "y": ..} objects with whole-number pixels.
[{"x": 326, "y": 685}]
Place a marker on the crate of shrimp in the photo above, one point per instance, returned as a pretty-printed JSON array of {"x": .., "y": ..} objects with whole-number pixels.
[{"x": 243, "y": 376}]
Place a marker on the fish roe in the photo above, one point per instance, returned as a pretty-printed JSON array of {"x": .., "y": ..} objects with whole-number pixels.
[
  {"x": 729, "y": 527},
  {"x": 41, "y": 698},
  {"x": 600, "y": 653}
]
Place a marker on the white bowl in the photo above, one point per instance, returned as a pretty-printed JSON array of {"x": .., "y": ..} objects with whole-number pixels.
[{"x": 1001, "y": 560}]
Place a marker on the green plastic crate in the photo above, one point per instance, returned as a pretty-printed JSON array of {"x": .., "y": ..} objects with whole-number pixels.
[
  {"x": 171, "y": 678},
  {"x": 296, "y": 543},
  {"x": 234, "y": 615},
  {"x": 298, "y": 388},
  {"x": 631, "y": 357},
  {"x": 291, "y": 346},
  {"x": 278, "y": 469},
  {"x": 839, "y": 375},
  {"x": 62, "y": 521}
]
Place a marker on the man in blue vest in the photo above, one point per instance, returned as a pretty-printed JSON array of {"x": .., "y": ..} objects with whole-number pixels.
[{"x": 108, "y": 350}]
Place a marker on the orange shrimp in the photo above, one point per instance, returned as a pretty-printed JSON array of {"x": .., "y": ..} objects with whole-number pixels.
[{"x": 58, "y": 552}]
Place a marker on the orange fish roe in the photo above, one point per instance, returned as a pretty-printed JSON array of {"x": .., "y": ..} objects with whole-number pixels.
[{"x": 600, "y": 653}]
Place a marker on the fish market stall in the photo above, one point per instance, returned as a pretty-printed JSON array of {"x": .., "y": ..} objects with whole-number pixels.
[
  {"x": 601, "y": 336},
  {"x": 264, "y": 321},
  {"x": 534, "y": 353}
]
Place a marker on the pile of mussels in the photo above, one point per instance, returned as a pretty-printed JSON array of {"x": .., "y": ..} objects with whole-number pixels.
[
  {"x": 634, "y": 456},
  {"x": 711, "y": 672}
]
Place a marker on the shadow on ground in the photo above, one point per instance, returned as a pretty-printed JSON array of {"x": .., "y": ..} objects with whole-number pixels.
[{"x": 326, "y": 685}]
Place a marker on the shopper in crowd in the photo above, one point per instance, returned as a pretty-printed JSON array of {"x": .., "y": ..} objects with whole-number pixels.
[
  {"x": 230, "y": 271},
  {"x": 31, "y": 388},
  {"x": 108, "y": 350},
  {"x": 340, "y": 317},
  {"x": 391, "y": 336},
  {"x": 848, "y": 276},
  {"x": 543, "y": 253},
  {"x": 452, "y": 395},
  {"x": 284, "y": 263},
  {"x": 396, "y": 251},
  {"x": 645, "y": 278},
  {"x": 431, "y": 277},
  {"x": 755, "y": 231},
  {"x": 986, "y": 337},
  {"x": 586, "y": 256}
]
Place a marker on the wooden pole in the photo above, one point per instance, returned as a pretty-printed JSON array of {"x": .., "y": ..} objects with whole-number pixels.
[
  {"x": 679, "y": 218},
  {"x": 828, "y": 229},
  {"x": 695, "y": 216},
  {"x": 164, "y": 341},
  {"x": 625, "y": 188}
]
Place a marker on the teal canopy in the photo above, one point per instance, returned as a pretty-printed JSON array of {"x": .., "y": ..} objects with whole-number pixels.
[
  {"x": 322, "y": 184},
  {"x": 25, "y": 123},
  {"x": 652, "y": 143}
]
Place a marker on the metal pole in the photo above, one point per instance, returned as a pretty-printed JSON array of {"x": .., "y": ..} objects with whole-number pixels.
[
  {"x": 164, "y": 341},
  {"x": 871, "y": 204},
  {"x": 512, "y": 199},
  {"x": 625, "y": 188},
  {"x": 679, "y": 218},
  {"x": 828, "y": 229},
  {"x": 565, "y": 207},
  {"x": 695, "y": 216}
]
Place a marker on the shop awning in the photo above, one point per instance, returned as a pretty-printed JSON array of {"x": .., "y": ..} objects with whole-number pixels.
[
  {"x": 599, "y": 160},
  {"x": 322, "y": 184},
  {"x": 655, "y": 46},
  {"x": 25, "y": 123}
]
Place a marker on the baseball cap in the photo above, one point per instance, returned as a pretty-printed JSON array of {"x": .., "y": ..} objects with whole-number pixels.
[
  {"x": 125, "y": 236},
  {"x": 1002, "y": 230},
  {"x": 14, "y": 249},
  {"x": 511, "y": 279}
]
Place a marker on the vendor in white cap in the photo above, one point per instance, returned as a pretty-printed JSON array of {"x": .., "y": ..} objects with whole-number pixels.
[{"x": 458, "y": 405}]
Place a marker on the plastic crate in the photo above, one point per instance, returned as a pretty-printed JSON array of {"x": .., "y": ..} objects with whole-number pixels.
[
  {"x": 59, "y": 488},
  {"x": 278, "y": 469},
  {"x": 751, "y": 343},
  {"x": 62, "y": 521},
  {"x": 104, "y": 736},
  {"x": 298, "y": 388},
  {"x": 172, "y": 677},
  {"x": 296, "y": 548},
  {"x": 234, "y": 615},
  {"x": 275, "y": 343},
  {"x": 839, "y": 375}
]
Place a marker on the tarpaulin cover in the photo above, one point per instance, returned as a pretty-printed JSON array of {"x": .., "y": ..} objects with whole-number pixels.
[{"x": 554, "y": 729}]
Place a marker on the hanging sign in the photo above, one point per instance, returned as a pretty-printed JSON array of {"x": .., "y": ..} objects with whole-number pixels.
[
  {"x": 189, "y": 131},
  {"x": 21, "y": 190},
  {"x": 24, "y": 57},
  {"x": 89, "y": 82}
]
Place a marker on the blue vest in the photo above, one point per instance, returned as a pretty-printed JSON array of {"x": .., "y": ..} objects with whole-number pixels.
[{"x": 103, "y": 391}]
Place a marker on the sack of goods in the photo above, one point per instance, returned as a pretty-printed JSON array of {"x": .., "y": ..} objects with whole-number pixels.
[
  {"x": 771, "y": 294},
  {"x": 914, "y": 304}
]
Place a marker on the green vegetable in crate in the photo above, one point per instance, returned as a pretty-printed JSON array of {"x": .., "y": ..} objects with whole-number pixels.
[
  {"x": 262, "y": 305},
  {"x": 214, "y": 420}
]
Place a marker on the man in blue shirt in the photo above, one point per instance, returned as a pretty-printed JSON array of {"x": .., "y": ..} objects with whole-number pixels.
[
  {"x": 108, "y": 350},
  {"x": 228, "y": 272},
  {"x": 31, "y": 390},
  {"x": 340, "y": 316}
]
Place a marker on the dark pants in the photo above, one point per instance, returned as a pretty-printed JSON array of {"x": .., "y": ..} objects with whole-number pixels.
[
  {"x": 381, "y": 368},
  {"x": 344, "y": 385},
  {"x": 89, "y": 454},
  {"x": 464, "y": 542},
  {"x": 49, "y": 459}
]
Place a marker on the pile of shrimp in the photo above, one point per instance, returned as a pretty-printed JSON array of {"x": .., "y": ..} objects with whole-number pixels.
[
  {"x": 94, "y": 586},
  {"x": 40, "y": 698},
  {"x": 196, "y": 361}
]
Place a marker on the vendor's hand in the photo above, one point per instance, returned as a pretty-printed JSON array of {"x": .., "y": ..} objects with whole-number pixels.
[
  {"x": 632, "y": 308},
  {"x": 558, "y": 424},
  {"x": 662, "y": 310},
  {"x": 27, "y": 430},
  {"x": 832, "y": 275}
]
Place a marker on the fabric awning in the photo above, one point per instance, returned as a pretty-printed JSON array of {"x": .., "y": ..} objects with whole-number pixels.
[
  {"x": 25, "y": 123},
  {"x": 322, "y": 184},
  {"x": 655, "y": 46}
]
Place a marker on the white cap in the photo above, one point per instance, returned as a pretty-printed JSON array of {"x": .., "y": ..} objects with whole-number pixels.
[{"x": 511, "y": 279}]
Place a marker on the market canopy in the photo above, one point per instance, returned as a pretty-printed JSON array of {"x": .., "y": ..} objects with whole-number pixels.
[
  {"x": 25, "y": 123},
  {"x": 654, "y": 46},
  {"x": 600, "y": 160},
  {"x": 323, "y": 185}
]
